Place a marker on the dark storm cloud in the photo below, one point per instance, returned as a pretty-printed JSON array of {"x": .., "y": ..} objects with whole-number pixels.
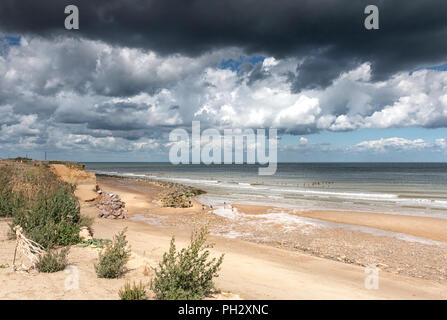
[
  {"x": 412, "y": 33},
  {"x": 318, "y": 71},
  {"x": 41, "y": 106},
  {"x": 257, "y": 73}
]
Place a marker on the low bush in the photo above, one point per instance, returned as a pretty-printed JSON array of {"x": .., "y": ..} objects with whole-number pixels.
[
  {"x": 133, "y": 292},
  {"x": 53, "y": 220},
  {"x": 10, "y": 203},
  {"x": 53, "y": 261},
  {"x": 187, "y": 275},
  {"x": 42, "y": 204},
  {"x": 113, "y": 258}
]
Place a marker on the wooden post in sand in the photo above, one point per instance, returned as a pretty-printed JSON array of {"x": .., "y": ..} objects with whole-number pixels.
[
  {"x": 14, "y": 260},
  {"x": 29, "y": 248}
]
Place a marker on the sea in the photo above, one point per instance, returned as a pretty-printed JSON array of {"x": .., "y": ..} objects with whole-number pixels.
[{"x": 418, "y": 189}]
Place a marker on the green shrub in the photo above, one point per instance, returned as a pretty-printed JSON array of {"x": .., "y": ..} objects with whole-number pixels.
[
  {"x": 53, "y": 220},
  {"x": 134, "y": 292},
  {"x": 10, "y": 203},
  {"x": 53, "y": 261},
  {"x": 187, "y": 275},
  {"x": 40, "y": 202},
  {"x": 113, "y": 258}
]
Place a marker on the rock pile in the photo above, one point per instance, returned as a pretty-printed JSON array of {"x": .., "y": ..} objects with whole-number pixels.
[
  {"x": 174, "y": 195},
  {"x": 111, "y": 207},
  {"x": 179, "y": 196}
]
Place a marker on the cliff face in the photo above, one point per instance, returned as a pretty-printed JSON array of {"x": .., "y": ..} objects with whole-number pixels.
[
  {"x": 85, "y": 181},
  {"x": 73, "y": 175}
]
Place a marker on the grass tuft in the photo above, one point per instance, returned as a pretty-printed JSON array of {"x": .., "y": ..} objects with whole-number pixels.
[
  {"x": 133, "y": 292},
  {"x": 53, "y": 261}
]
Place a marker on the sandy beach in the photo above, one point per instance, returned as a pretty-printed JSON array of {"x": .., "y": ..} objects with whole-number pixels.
[
  {"x": 263, "y": 260},
  {"x": 306, "y": 140}
]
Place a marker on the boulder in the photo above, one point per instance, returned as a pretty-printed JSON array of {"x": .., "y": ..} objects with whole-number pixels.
[{"x": 85, "y": 234}]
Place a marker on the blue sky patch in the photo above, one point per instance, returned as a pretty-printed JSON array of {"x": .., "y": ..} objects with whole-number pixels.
[
  {"x": 441, "y": 67},
  {"x": 350, "y": 138},
  {"x": 234, "y": 65},
  {"x": 10, "y": 40},
  {"x": 6, "y": 42}
]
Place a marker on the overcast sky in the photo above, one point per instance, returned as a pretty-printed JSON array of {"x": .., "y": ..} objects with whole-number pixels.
[{"x": 135, "y": 70}]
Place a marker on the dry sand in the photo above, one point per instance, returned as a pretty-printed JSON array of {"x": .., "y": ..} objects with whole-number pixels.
[{"x": 250, "y": 271}]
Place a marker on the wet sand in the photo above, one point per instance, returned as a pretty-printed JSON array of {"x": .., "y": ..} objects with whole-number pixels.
[
  {"x": 429, "y": 228},
  {"x": 424, "y": 227}
]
